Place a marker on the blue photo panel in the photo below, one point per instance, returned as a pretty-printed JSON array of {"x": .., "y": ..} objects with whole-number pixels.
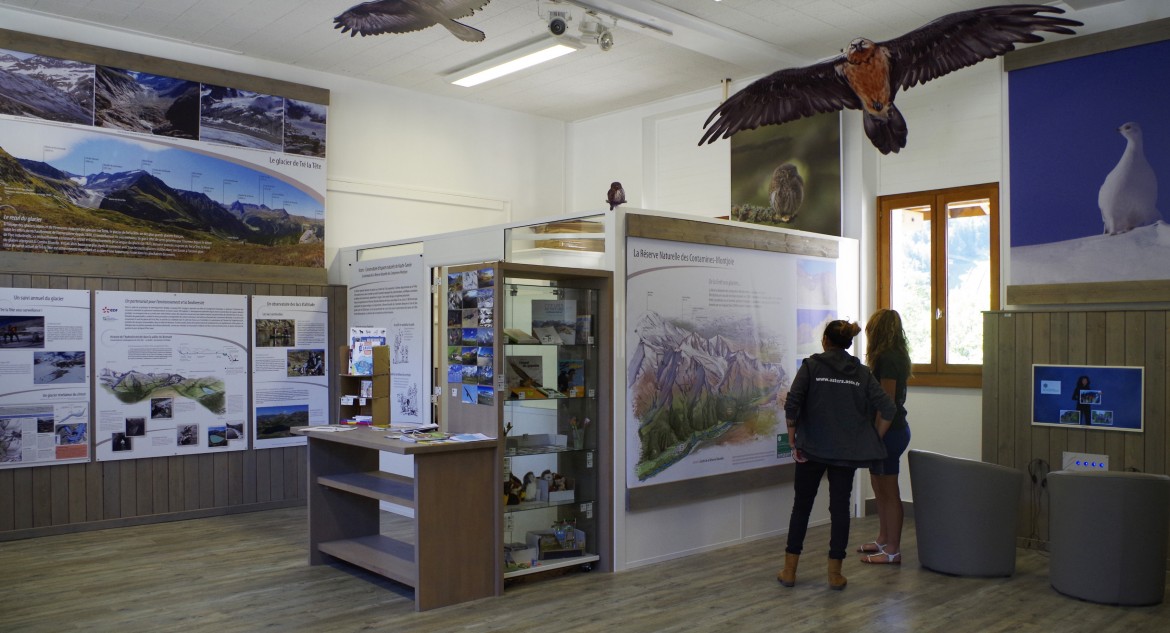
[{"x": 1097, "y": 397}]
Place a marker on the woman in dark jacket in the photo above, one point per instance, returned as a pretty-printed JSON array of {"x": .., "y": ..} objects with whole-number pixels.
[{"x": 830, "y": 413}]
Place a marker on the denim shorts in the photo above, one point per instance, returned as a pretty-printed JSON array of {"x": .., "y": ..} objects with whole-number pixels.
[{"x": 896, "y": 442}]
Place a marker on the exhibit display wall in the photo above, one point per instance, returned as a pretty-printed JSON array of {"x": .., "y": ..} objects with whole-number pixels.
[
  {"x": 93, "y": 494},
  {"x": 1015, "y": 341}
]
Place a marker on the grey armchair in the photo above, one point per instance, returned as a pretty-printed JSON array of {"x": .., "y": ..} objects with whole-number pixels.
[
  {"x": 1108, "y": 536},
  {"x": 965, "y": 514}
]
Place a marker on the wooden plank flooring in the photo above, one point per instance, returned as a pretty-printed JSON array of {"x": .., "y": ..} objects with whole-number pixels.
[{"x": 250, "y": 572}]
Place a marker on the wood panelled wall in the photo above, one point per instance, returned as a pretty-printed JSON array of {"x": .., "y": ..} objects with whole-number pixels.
[
  {"x": 52, "y": 499},
  {"x": 1014, "y": 341}
]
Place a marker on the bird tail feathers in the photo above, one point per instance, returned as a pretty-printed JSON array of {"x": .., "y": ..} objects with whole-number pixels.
[
  {"x": 463, "y": 32},
  {"x": 887, "y": 132}
]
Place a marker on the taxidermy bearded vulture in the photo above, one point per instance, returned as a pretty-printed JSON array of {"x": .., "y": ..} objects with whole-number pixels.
[
  {"x": 868, "y": 74},
  {"x": 404, "y": 16}
]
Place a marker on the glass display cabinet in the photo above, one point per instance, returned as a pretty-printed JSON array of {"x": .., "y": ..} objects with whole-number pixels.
[{"x": 534, "y": 352}]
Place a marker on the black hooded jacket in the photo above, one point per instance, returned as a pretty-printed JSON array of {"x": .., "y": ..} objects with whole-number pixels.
[{"x": 833, "y": 400}]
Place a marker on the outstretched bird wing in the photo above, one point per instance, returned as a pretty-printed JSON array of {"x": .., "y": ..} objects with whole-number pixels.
[
  {"x": 401, "y": 16},
  {"x": 947, "y": 44},
  {"x": 966, "y": 38},
  {"x": 785, "y": 95}
]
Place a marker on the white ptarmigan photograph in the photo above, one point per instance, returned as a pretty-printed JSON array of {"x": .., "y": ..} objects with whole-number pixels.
[{"x": 1086, "y": 205}]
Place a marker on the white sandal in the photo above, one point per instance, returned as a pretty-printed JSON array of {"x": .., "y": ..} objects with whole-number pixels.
[{"x": 883, "y": 558}]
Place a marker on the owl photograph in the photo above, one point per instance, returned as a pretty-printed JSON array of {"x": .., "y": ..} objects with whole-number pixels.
[{"x": 789, "y": 175}]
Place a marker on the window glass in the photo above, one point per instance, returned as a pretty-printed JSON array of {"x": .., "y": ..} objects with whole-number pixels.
[
  {"x": 910, "y": 277},
  {"x": 938, "y": 267}
]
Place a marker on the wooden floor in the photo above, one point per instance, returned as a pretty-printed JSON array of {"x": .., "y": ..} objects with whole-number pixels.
[{"x": 250, "y": 572}]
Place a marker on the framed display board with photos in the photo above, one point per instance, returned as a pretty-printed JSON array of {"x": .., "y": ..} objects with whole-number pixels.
[{"x": 1097, "y": 397}]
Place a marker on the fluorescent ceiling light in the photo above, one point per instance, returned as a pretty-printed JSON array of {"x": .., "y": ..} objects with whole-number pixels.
[{"x": 513, "y": 60}]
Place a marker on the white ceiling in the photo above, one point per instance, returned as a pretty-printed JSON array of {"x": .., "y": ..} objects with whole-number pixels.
[{"x": 710, "y": 41}]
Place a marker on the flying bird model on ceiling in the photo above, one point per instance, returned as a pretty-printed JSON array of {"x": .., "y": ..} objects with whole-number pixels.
[
  {"x": 868, "y": 74},
  {"x": 404, "y": 16}
]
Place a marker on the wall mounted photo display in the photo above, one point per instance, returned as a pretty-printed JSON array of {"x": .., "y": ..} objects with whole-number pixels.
[
  {"x": 789, "y": 175},
  {"x": 172, "y": 374},
  {"x": 290, "y": 368},
  {"x": 45, "y": 417},
  {"x": 746, "y": 327},
  {"x": 1080, "y": 225},
  {"x": 85, "y": 132},
  {"x": 1089, "y": 396}
]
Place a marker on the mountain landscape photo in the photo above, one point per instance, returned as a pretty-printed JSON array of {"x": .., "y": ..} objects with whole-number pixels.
[
  {"x": 47, "y": 88},
  {"x": 141, "y": 102},
  {"x": 275, "y": 422},
  {"x": 241, "y": 117},
  {"x": 692, "y": 389},
  {"x": 304, "y": 128},
  {"x": 135, "y": 213}
]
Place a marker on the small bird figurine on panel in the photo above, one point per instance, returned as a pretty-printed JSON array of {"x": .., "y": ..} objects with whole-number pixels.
[
  {"x": 404, "y": 16},
  {"x": 616, "y": 195},
  {"x": 868, "y": 74}
]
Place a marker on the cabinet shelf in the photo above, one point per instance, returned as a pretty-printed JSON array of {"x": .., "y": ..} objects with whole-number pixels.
[
  {"x": 376, "y": 485},
  {"x": 378, "y": 553},
  {"x": 448, "y": 533},
  {"x": 542, "y": 450},
  {"x": 374, "y": 407},
  {"x": 543, "y": 505},
  {"x": 561, "y": 345},
  {"x": 511, "y": 401},
  {"x": 549, "y": 565}
]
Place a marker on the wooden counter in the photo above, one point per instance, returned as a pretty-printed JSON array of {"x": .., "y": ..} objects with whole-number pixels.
[{"x": 454, "y": 557}]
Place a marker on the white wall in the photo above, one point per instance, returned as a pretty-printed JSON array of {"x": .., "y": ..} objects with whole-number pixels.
[
  {"x": 400, "y": 163},
  {"x": 954, "y": 139},
  {"x": 627, "y": 147}
]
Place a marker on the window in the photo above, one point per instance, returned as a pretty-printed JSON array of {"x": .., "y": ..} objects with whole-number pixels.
[{"x": 938, "y": 266}]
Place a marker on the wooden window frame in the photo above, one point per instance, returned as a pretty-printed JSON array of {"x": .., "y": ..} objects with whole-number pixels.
[{"x": 938, "y": 373}]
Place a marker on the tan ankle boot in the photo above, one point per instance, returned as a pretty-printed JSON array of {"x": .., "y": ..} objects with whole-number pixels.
[
  {"x": 787, "y": 576},
  {"x": 836, "y": 580}
]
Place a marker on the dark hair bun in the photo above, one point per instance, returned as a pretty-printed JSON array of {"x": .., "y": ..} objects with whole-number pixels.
[{"x": 841, "y": 333}]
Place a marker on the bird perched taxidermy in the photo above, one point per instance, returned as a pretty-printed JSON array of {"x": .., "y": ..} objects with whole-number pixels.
[
  {"x": 404, "y": 16},
  {"x": 867, "y": 75},
  {"x": 615, "y": 196}
]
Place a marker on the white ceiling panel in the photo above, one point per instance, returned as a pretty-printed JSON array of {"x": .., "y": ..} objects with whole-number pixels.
[{"x": 711, "y": 40}]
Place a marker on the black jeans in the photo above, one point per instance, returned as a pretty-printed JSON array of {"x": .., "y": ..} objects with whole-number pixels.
[{"x": 808, "y": 480}]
